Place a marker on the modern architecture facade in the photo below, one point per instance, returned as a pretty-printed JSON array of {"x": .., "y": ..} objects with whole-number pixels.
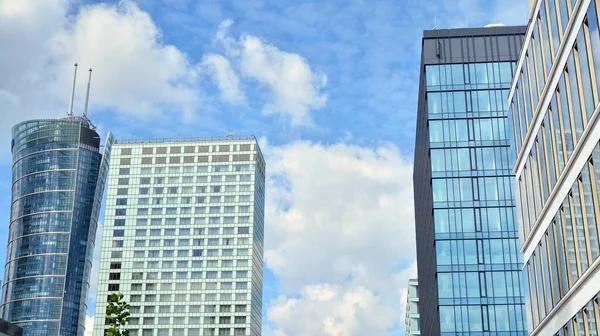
[
  {"x": 9, "y": 329},
  {"x": 469, "y": 265},
  {"x": 58, "y": 175},
  {"x": 183, "y": 237},
  {"x": 411, "y": 319},
  {"x": 554, "y": 119}
]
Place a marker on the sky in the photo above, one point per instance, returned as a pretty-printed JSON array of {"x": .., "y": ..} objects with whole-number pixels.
[{"x": 329, "y": 87}]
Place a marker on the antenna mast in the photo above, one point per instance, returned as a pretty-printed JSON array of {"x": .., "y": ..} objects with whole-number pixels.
[
  {"x": 87, "y": 95},
  {"x": 70, "y": 113}
]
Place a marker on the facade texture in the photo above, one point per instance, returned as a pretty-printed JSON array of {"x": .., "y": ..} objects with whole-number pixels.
[
  {"x": 469, "y": 265},
  {"x": 58, "y": 183},
  {"x": 554, "y": 118},
  {"x": 183, "y": 237},
  {"x": 9, "y": 329},
  {"x": 412, "y": 320}
]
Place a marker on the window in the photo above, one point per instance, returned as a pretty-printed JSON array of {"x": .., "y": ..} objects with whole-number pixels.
[
  {"x": 113, "y": 287},
  {"x": 122, "y": 191},
  {"x": 115, "y": 265},
  {"x": 120, "y": 212},
  {"x": 118, "y": 233},
  {"x": 123, "y": 181},
  {"x": 243, "y": 230},
  {"x": 117, "y": 243},
  {"x": 124, "y": 171}
]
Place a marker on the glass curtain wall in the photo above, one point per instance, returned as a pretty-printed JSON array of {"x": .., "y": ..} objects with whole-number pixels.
[{"x": 476, "y": 238}]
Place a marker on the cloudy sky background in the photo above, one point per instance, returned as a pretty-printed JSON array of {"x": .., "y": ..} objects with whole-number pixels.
[{"x": 330, "y": 88}]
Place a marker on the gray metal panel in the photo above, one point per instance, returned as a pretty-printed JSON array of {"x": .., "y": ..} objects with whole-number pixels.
[
  {"x": 469, "y": 45},
  {"x": 9, "y": 329}
]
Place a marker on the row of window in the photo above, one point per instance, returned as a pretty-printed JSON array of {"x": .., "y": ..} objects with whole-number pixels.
[
  {"x": 127, "y": 161},
  {"x": 469, "y": 76},
  {"x": 167, "y": 286},
  {"x": 462, "y": 130},
  {"x": 186, "y": 149},
  {"x": 478, "y": 318},
  {"x": 190, "y": 332},
  {"x": 182, "y": 253},
  {"x": 585, "y": 322},
  {"x": 184, "y": 242},
  {"x": 458, "y": 285},
  {"x": 472, "y": 189},
  {"x": 153, "y": 287},
  {"x": 184, "y": 210},
  {"x": 469, "y": 159},
  {"x": 134, "y": 298},
  {"x": 166, "y": 264},
  {"x": 185, "y": 200},
  {"x": 188, "y": 190},
  {"x": 575, "y": 97},
  {"x": 184, "y": 232},
  {"x": 463, "y": 102},
  {"x": 197, "y": 232},
  {"x": 476, "y": 251},
  {"x": 186, "y": 179},
  {"x": 183, "y": 286},
  {"x": 540, "y": 175},
  {"x": 469, "y": 220},
  {"x": 180, "y": 221},
  {"x": 181, "y": 320},
  {"x": 567, "y": 249},
  {"x": 209, "y": 168}
]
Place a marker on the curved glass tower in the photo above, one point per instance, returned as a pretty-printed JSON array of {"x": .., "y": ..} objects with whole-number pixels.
[{"x": 58, "y": 181}]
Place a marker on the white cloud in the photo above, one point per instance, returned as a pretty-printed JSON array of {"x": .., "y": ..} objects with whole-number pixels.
[
  {"x": 295, "y": 89},
  {"x": 89, "y": 325},
  {"x": 135, "y": 72},
  {"x": 224, "y": 77},
  {"x": 339, "y": 237}
]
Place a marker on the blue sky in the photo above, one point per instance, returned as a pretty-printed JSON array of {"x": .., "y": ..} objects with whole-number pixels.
[{"x": 330, "y": 88}]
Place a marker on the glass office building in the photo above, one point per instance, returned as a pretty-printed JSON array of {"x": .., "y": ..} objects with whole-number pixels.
[
  {"x": 554, "y": 119},
  {"x": 183, "y": 237},
  {"x": 58, "y": 182},
  {"x": 469, "y": 265},
  {"x": 411, "y": 319}
]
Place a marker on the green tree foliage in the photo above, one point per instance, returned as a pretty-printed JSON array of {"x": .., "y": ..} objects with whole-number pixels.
[{"x": 117, "y": 312}]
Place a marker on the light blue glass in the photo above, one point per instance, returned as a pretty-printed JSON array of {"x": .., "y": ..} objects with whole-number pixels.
[{"x": 58, "y": 174}]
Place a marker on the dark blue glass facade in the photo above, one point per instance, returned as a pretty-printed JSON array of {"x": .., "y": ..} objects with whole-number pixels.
[
  {"x": 58, "y": 182},
  {"x": 467, "y": 238}
]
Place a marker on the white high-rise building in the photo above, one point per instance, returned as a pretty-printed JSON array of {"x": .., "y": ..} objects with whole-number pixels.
[
  {"x": 183, "y": 236},
  {"x": 412, "y": 318}
]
